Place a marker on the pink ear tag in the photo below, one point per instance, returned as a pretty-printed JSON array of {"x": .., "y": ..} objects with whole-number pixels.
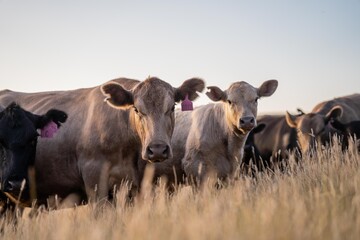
[
  {"x": 187, "y": 105},
  {"x": 49, "y": 130}
]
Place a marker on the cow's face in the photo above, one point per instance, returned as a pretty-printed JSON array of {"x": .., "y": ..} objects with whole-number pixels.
[
  {"x": 18, "y": 138},
  {"x": 151, "y": 104},
  {"x": 241, "y": 101},
  {"x": 313, "y": 128}
]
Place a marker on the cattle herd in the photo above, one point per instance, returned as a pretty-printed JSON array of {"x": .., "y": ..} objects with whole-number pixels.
[{"x": 110, "y": 133}]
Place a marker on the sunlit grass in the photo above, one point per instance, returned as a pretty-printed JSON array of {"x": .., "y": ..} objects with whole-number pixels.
[{"x": 316, "y": 199}]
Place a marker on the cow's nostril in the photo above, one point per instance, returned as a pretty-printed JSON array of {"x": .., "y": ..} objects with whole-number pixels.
[
  {"x": 166, "y": 150},
  {"x": 8, "y": 187},
  {"x": 149, "y": 151},
  {"x": 12, "y": 186}
]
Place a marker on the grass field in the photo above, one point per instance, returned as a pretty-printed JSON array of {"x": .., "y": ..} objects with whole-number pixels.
[{"x": 316, "y": 199}]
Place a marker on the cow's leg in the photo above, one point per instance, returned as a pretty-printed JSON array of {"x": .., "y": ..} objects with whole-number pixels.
[
  {"x": 95, "y": 175},
  {"x": 125, "y": 172}
]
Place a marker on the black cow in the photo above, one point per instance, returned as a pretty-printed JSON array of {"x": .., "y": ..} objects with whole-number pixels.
[
  {"x": 18, "y": 139},
  {"x": 346, "y": 131},
  {"x": 251, "y": 152}
]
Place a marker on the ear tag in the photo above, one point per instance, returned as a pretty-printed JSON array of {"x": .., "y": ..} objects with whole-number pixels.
[
  {"x": 187, "y": 105},
  {"x": 49, "y": 130}
]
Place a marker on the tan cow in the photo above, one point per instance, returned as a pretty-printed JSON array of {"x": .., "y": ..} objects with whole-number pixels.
[
  {"x": 313, "y": 128},
  {"x": 211, "y": 138},
  {"x": 99, "y": 146}
]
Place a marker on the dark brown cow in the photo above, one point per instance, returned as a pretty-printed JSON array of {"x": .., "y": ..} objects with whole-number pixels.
[
  {"x": 276, "y": 140},
  {"x": 313, "y": 128},
  {"x": 99, "y": 145},
  {"x": 211, "y": 138},
  {"x": 252, "y": 161},
  {"x": 347, "y": 131}
]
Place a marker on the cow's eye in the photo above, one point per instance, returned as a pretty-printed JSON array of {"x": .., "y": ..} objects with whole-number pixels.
[
  {"x": 256, "y": 100},
  {"x": 139, "y": 113},
  {"x": 229, "y": 102}
]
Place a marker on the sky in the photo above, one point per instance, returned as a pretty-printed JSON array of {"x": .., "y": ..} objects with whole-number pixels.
[{"x": 312, "y": 47}]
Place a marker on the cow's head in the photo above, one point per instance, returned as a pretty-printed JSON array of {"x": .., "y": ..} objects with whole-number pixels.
[
  {"x": 241, "y": 100},
  {"x": 151, "y": 104},
  {"x": 313, "y": 128},
  {"x": 18, "y": 138}
]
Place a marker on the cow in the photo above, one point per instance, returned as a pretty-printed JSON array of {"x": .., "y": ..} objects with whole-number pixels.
[
  {"x": 314, "y": 129},
  {"x": 212, "y": 137},
  {"x": 347, "y": 131},
  {"x": 277, "y": 139},
  {"x": 18, "y": 139},
  {"x": 99, "y": 148},
  {"x": 252, "y": 160}
]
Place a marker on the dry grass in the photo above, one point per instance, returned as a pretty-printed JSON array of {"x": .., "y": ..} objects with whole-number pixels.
[{"x": 317, "y": 199}]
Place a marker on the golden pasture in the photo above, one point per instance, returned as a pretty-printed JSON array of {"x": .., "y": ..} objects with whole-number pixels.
[{"x": 319, "y": 198}]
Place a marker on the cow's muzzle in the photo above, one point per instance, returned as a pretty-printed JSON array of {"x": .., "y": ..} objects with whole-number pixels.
[
  {"x": 157, "y": 151},
  {"x": 246, "y": 124}
]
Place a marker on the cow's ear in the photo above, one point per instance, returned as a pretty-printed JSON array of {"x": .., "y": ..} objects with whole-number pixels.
[
  {"x": 117, "y": 96},
  {"x": 291, "y": 120},
  {"x": 189, "y": 88},
  {"x": 49, "y": 123},
  {"x": 216, "y": 94},
  {"x": 334, "y": 113},
  {"x": 259, "y": 128},
  {"x": 56, "y": 116},
  {"x": 337, "y": 125},
  {"x": 300, "y": 112},
  {"x": 267, "y": 88}
]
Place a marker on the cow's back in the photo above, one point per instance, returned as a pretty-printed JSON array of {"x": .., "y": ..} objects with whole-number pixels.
[{"x": 350, "y": 105}]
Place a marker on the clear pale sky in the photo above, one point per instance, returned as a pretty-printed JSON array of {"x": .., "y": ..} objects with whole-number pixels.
[{"x": 312, "y": 47}]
